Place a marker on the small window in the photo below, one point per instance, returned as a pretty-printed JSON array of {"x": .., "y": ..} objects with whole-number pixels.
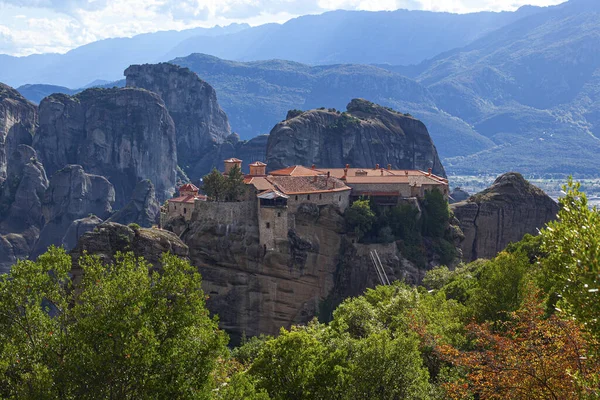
[
  {"x": 279, "y": 214},
  {"x": 320, "y": 197},
  {"x": 185, "y": 210},
  {"x": 340, "y": 198},
  {"x": 308, "y": 197},
  {"x": 268, "y": 225},
  {"x": 296, "y": 198}
]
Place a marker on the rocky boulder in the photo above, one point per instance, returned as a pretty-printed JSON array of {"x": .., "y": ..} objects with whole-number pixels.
[
  {"x": 18, "y": 119},
  {"x": 126, "y": 135},
  {"x": 501, "y": 214},
  {"x": 200, "y": 122},
  {"x": 365, "y": 135},
  {"x": 458, "y": 195},
  {"x": 73, "y": 195},
  {"x": 109, "y": 238},
  {"x": 142, "y": 209}
]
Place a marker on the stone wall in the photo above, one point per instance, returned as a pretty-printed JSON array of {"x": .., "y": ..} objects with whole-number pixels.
[
  {"x": 273, "y": 226},
  {"x": 224, "y": 213},
  {"x": 340, "y": 199},
  {"x": 184, "y": 210},
  {"x": 403, "y": 188}
]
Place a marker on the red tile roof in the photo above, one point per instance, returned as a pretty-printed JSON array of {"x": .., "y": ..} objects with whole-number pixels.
[
  {"x": 258, "y": 164},
  {"x": 233, "y": 160},
  {"x": 307, "y": 184},
  {"x": 297, "y": 170},
  {"x": 188, "y": 199},
  {"x": 188, "y": 187}
]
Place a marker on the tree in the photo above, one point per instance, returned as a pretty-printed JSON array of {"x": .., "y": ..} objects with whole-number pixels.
[
  {"x": 121, "y": 333},
  {"x": 436, "y": 214},
  {"x": 360, "y": 217},
  {"x": 571, "y": 267},
  {"x": 215, "y": 185},
  {"x": 527, "y": 357},
  {"x": 234, "y": 184}
]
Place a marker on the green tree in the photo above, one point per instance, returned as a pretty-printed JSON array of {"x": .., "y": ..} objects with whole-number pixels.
[
  {"x": 360, "y": 217},
  {"x": 234, "y": 184},
  {"x": 122, "y": 333},
  {"x": 571, "y": 268},
  {"x": 215, "y": 185},
  {"x": 436, "y": 214}
]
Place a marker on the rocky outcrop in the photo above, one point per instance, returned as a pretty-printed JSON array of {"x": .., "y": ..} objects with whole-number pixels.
[
  {"x": 109, "y": 238},
  {"x": 18, "y": 118},
  {"x": 501, "y": 214},
  {"x": 200, "y": 123},
  {"x": 142, "y": 209},
  {"x": 21, "y": 215},
  {"x": 73, "y": 195},
  {"x": 458, "y": 195},
  {"x": 126, "y": 135},
  {"x": 365, "y": 135}
]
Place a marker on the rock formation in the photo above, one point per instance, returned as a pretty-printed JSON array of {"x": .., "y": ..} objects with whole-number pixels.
[
  {"x": 365, "y": 135},
  {"x": 109, "y": 238},
  {"x": 142, "y": 209},
  {"x": 73, "y": 195},
  {"x": 199, "y": 121},
  {"x": 126, "y": 135},
  {"x": 17, "y": 124},
  {"x": 502, "y": 214},
  {"x": 21, "y": 206},
  {"x": 458, "y": 195}
]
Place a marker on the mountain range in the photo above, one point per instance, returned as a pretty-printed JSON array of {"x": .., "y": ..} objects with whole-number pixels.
[{"x": 518, "y": 92}]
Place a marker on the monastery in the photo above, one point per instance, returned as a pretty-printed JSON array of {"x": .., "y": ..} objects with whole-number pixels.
[{"x": 274, "y": 197}]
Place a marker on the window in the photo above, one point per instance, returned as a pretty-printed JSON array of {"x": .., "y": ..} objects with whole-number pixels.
[
  {"x": 340, "y": 198},
  {"x": 185, "y": 210},
  {"x": 308, "y": 197},
  {"x": 320, "y": 197},
  {"x": 268, "y": 225},
  {"x": 279, "y": 214},
  {"x": 296, "y": 198}
]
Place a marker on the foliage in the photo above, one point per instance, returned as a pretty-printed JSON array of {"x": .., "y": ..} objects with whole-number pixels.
[
  {"x": 529, "y": 357},
  {"x": 360, "y": 217},
  {"x": 215, "y": 185},
  {"x": 291, "y": 114},
  {"x": 124, "y": 333},
  {"x": 572, "y": 265},
  {"x": 134, "y": 226},
  {"x": 234, "y": 184},
  {"x": 435, "y": 214}
]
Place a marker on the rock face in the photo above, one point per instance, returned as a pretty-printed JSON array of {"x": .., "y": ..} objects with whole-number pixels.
[
  {"x": 73, "y": 195},
  {"x": 142, "y": 209},
  {"x": 365, "y": 135},
  {"x": 21, "y": 215},
  {"x": 200, "y": 122},
  {"x": 502, "y": 214},
  {"x": 109, "y": 238},
  {"x": 458, "y": 195},
  {"x": 126, "y": 135},
  {"x": 17, "y": 124}
]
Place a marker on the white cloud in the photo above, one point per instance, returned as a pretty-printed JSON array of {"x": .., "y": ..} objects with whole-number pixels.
[{"x": 33, "y": 26}]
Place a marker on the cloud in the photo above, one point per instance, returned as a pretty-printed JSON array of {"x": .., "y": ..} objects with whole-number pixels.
[{"x": 58, "y": 25}]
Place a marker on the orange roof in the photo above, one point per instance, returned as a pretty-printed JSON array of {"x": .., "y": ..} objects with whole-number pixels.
[
  {"x": 188, "y": 187},
  {"x": 307, "y": 184},
  {"x": 188, "y": 199},
  {"x": 297, "y": 170},
  {"x": 260, "y": 183},
  {"x": 383, "y": 175}
]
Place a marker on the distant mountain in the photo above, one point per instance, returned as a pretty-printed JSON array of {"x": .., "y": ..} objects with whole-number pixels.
[
  {"x": 532, "y": 87},
  {"x": 35, "y": 93},
  {"x": 257, "y": 95},
  {"x": 104, "y": 60},
  {"x": 397, "y": 37}
]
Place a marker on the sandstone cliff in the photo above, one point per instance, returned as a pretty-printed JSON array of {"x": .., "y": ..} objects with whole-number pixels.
[
  {"x": 17, "y": 124},
  {"x": 21, "y": 206},
  {"x": 72, "y": 195},
  {"x": 126, "y": 135},
  {"x": 365, "y": 135},
  {"x": 200, "y": 122},
  {"x": 502, "y": 214},
  {"x": 142, "y": 209}
]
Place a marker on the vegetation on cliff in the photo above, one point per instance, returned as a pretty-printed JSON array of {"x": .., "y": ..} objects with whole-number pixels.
[{"x": 522, "y": 325}]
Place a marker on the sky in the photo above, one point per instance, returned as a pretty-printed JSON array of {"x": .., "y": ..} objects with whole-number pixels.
[{"x": 45, "y": 26}]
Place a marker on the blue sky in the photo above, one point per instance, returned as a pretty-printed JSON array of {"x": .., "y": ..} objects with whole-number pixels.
[{"x": 42, "y": 26}]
